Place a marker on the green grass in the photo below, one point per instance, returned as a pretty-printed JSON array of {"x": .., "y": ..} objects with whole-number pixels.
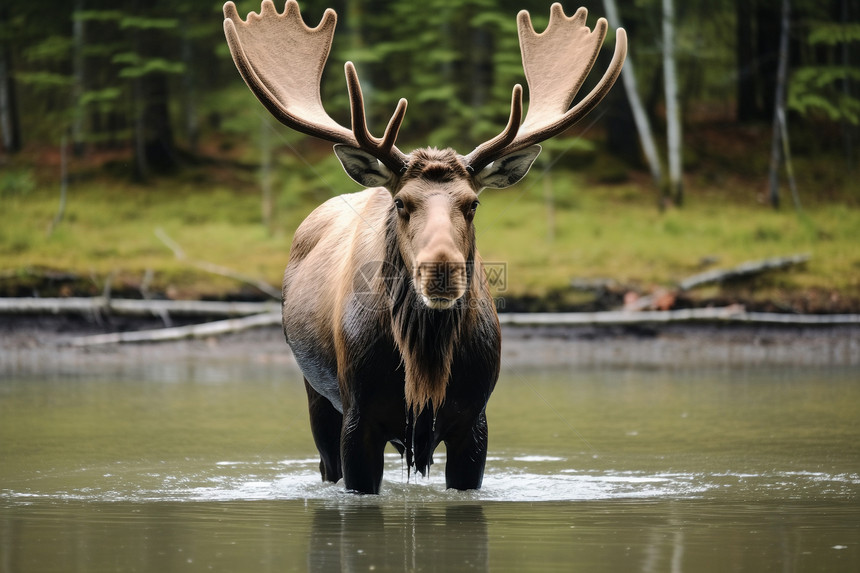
[
  {"x": 616, "y": 232},
  {"x": 599, "y": 231}
]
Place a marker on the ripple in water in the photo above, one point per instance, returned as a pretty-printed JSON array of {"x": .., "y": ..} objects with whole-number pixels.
[{"x": 528, "y": 478}]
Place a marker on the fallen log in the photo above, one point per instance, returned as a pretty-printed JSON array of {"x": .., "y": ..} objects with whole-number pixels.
[
  {"x": 663, "y": 299},
  {"x": 179, "y": 253},
  {"x": 743, "y": 270},
  {"x": 133, "y": 307},
  {"x": 730, "y": 314},
  {"x": 204, "y": 330}
]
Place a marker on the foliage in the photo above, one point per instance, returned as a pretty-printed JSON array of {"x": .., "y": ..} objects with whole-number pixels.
[
  {"x": 454, "y": 60},
  {"x": 819, "y": 89},
  {"x": 93, "y": 64},
  {"x": 160, "y": 63},
  {"x": 456, "y": 63},
  {"x": 824, "y": 88},
  {"x": 834, "y": 33},
  {"x": 134, "y": 66}
]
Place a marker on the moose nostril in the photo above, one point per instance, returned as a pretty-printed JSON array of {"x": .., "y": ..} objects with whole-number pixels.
[{"x": 441, "y": 278}]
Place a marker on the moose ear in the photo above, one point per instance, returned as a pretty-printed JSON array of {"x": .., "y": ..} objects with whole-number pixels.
[
  {"x": 507, "y": 170},
  {"x": 362, "y": 167}
]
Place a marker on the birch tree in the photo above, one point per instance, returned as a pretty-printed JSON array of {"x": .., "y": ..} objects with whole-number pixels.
[
  {"x": 79, "y": 72},
  {"x": 640, "y": 117},
  {"x": 776, "y": 154},
  {"x": 673, "y": 114},
  {"x": 10, "y": 130},
  {"x": 10, "y": 133}
]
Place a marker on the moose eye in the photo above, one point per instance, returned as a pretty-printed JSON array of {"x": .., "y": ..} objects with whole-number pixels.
[
  {"x": 401, "y": 209},
  {"x": 470, "y": 212}
]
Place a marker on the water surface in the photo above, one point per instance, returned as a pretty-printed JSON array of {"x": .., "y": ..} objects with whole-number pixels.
[{"x": 622, "y": 470}]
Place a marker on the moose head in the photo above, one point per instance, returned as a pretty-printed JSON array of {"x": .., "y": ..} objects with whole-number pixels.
[{"x": 434, "y": 192}]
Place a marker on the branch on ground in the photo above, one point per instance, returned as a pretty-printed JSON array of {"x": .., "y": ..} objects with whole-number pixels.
[{"x": 260, "y": 285}]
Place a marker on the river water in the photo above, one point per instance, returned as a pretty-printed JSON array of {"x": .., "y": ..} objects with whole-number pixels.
[{"x": 185, "y": 468}]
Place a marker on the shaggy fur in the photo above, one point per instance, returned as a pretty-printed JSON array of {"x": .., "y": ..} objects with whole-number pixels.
[
  {"x": 425, "y": 337},
  {"x": 436, "y": 166}
]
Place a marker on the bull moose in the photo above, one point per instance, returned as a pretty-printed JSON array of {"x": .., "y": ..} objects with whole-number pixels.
[{"x": 386, "y": 305}]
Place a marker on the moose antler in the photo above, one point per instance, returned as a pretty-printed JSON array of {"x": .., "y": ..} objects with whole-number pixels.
[
  {"x": 556, "y": 63},
  {"x": 282, "y": 60}
]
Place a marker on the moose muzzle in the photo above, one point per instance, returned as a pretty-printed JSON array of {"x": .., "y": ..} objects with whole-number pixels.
[{"x": 441, "y": 282}]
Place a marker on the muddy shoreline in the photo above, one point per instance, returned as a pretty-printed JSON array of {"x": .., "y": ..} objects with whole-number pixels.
[{"x": 37, "y": 345}]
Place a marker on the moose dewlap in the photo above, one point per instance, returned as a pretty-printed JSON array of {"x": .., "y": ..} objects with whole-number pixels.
[{"x": 385, "y": 302}]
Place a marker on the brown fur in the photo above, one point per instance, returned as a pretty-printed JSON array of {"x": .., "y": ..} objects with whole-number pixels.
[
  {"x": 333, "y": 243},
  {"x": 438, "y": 166},
  {"x": 427, "y": 337}
]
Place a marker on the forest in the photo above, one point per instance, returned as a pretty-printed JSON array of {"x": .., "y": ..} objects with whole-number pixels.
[{"x": 131, "y": 148}]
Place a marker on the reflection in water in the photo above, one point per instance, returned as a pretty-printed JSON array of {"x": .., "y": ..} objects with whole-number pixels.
[
  {"x": 342, "y": 534},
  {"x": 368, "y": 537},
  {"x": 657, "y": 545},
  {"x": 596, "y": 471}
]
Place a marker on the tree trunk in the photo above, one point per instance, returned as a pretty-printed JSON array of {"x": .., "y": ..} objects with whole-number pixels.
[
  {"x": 849, "y": 131},
  {"x": 673, "y": 114},
  {"x": 141, "y": 165},
  {"x": 776, "y": 154},
  {"x": 138, "y": 101},
  {"x": 480, "y": 57},
  {"x": 745, "y": 61},
  {"x": 155, "y": 148},
  {"x": 786, "y": 153},
  {"x": 643, "y": 127},
  {"x": 620, "y": 128},
  {"x": 10, "y": 129},
  {"x": 767, "y": 58},
  {"x": 79, "y": 85},
  {"x": 192, "y": 131},
  {"x": 160, "y": 145}
]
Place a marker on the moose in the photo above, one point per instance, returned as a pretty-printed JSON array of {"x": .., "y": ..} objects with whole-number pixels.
[{"x": 386, "y": 303}]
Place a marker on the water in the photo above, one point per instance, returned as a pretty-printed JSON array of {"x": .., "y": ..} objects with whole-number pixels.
[{"x": 201, "y": 469}]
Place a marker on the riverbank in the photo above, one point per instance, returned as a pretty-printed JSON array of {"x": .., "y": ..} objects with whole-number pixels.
[
  {"x": 38, "y": 344},
  {"x": 566, "y": 242}
]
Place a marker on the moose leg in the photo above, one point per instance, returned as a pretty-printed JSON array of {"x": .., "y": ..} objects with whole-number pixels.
[
  {"x": 362, "y": 449},
  {"x": 467, "y": 455},
  {"x": 326, "y": 423}
]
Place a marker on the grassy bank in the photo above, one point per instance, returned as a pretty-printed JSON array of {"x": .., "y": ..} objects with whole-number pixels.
[{"x": 547, "y": 230}]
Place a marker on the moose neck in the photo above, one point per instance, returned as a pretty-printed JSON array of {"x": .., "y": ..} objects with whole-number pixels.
[{"x": 426, "y": 337}]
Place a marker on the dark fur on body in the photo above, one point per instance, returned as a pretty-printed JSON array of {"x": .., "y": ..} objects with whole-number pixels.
[{"x": 427, "y": 340}]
